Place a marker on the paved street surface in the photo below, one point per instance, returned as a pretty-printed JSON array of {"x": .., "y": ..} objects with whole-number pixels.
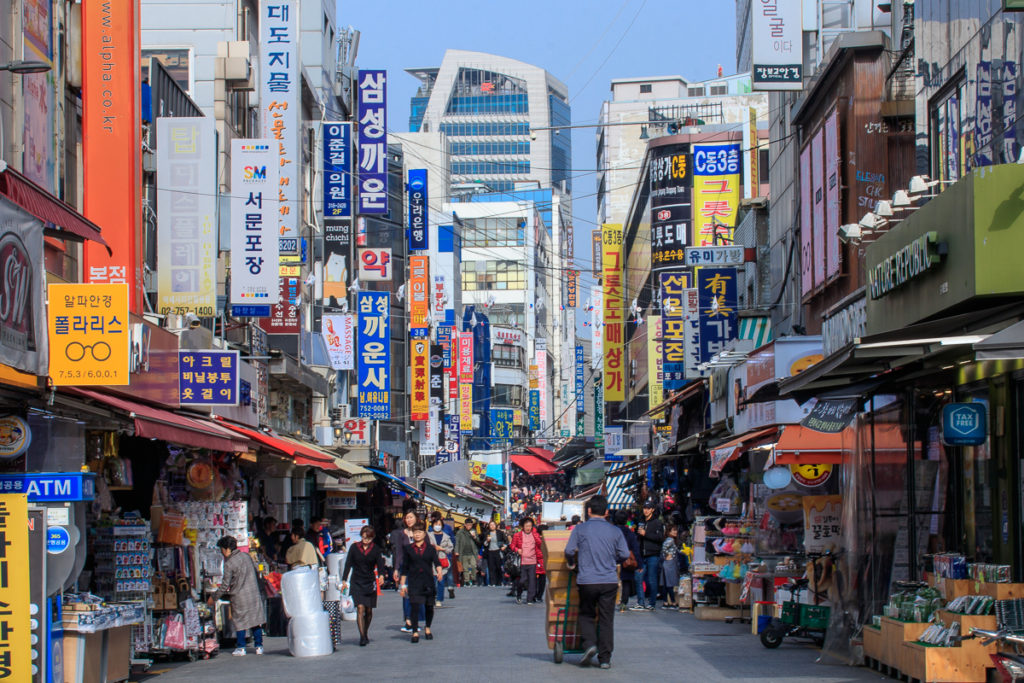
[{"x": 485, "y": 636}]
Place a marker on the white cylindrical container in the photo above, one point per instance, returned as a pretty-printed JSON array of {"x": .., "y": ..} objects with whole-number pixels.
[
  {"x": 310, "y": 635},
  {"x": 300, "y": 591}
]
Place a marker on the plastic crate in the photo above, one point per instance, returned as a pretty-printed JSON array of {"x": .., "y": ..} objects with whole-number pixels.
[
  {"x": 790, "y": 613},
  {"x": 814, "y": 616}
]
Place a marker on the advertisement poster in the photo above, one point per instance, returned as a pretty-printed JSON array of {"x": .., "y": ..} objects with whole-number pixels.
[
  {"x": 255, "y": 250},
  {"x": 671, "y": 200},
  {"x": 822, "y": 523},
  {"x": 337, "y": 272},
  {"x": 777, "y": 45},
  {"x": 614, "y": 312},
  {"x": 716, "y": 192},
  {"x": 88, "y": 334},
  {"x": 338, "y": 332},
  {"x": 419, "y": 228},
  {"x": 373, "y": 142},
  {"x": 186, "y": 190},
  {"x": 16, "y": 646},
  {"x": 419, "y": 355},
  {"x": 280, "y": 105},
  {"x": 337, "y": 170},
  {"x": 374, "y": 343},
  {"x": 208, "y": 378},
  {"x": 23, "y": 316}
]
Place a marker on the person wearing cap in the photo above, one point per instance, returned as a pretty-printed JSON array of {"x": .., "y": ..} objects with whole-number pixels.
[
  {"x": 651, "y": 534},
  {"x": 242, "y": 587}
]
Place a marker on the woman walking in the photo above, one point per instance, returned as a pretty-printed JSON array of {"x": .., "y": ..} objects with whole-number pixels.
[
  {"x": 442, "y": 543},
  {"x": 362, "y": 567},
  {"x": 494, "y": 544},
  {"x": 527, "y": 543},
  {"x": 420, "y": 571},
  {"x": 401, "y": 539}
]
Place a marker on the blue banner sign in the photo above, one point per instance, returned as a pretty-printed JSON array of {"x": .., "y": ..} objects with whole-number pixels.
[
  {"x": 673, "y": 329},
  {"x": 208, "y": 378},
  {"x": 418, "y": 221},
  {"x": 337, "y": 170},
  {"x": 374, "y": 341},
  {"x": 249, "y": 311},
  {"x": 581, "y": 398},
  {"x": 964, "y": 424},
  {"x": 717, "y": 298},
  {"x": 501, "y": 427},
  {"x": 373, "y": 141},
  {"x": 534, "y": 410},
  {"x": 51, "y": 487}
]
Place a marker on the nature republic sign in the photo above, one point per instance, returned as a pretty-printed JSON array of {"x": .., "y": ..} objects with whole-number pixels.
[{"x": 904, "y": 265}]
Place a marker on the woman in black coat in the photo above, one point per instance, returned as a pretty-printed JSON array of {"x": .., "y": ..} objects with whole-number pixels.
[
  {"x": 420, "y": 570},
  {"x": 363, "y": 564}
]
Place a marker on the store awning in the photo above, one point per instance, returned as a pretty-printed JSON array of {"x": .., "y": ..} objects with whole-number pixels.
[
  {"x": 683, "y": 394},
  {"x": 801, "y": 445},
  {"x": 730, "y": 450},
  {"x": 66, "y": 222},
  {"x": 396, "y": 483},
  {"x": 542, "y": 453},
  {"x": 154, "y": 423},
  {"x": 1007, "y": 344},
  {"x": 532, "y": 464}
]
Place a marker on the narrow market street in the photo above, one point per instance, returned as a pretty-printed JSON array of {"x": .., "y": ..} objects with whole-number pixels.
[{"x": 485, "y": 636}]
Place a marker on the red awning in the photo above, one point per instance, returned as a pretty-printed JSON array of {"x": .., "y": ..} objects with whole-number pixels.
[
  {"x": 293, "y": 449},
  {"x": 542, "y": 453},
  {"x": 729, "y": 451},
  {"x": 154, "y": 423},
  {"x": 47, "y": 208},
  {"x": 800, "y": 445},
  {"x": 533, "y": 464}
]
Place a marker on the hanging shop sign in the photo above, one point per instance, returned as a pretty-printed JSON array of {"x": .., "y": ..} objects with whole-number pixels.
[
  {"x": 715, "y": 256},
  {"x": 419, "y": 293},
  {"x": 374, "y": 343},
  {"x": 581, "y": 403},
  {"x": 356, "y": 431},
  {"x": 419, "y": 228},
  {"x": 88, "y": 334},
  {"x": 534, "y": 410},
  {"x": 613, "y": 444},
  {"x": 280, "y": 105},
  {"x": 16, "y": 651},
  {"x": 810, "y": 475},
  {"x": 541, "y": 358},
  {"x": 284, "y": 316},
  {"x": 677, "y": 365},
  {"x": 337, "y": 271},
  {"x": 572, "y": 288},
  {"x": 337, "y": 170},
  {"x": 599, "y": 414},
  {"x": 964, "y": 424},
  {"x": 909, "y": 262},
  {"x": 51, "y": 487},
  {"x": 718, "y": 300},
  {"x": 845, "y": 325},
  {"x": 831, "y": 415},
  {"x": 716, "y": 192},
  {"x": 596, "y": 331},
  {"x": 507, "y": 335},
  {"x": 375, "y": 264},
  {"x": 22, "y": 313},
  {"x": 655, "y": 362},
  {"x": 255, "y": 249},
  {"x": 186, "y": 188},
  {"x": 614, "y": 312},
  {"x": 595, "y": 251},
  {"x": 671, "y": 198},
  {"x": 823, "y": 517},
  {"x": 15, "y": 436},
  {"x": 439, "y": 298},
  {"x": 373, "y": 142},
  {"x": 501, "y": 427},
  {"x": 466, "y": 357},
  {"x": 208, "y": 378},
  {"x": 419, "y": 398},
  {"x": 777, "y": 45},
  {"x": 436, "y": 375},
  {"x": 338, "y": 332},
  {"x": 466, "y": 407},
  {"x": 430, "y": 431}
]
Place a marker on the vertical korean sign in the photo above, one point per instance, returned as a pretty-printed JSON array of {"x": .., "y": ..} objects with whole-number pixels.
[
  {"x": 673, "y": 329},
  {"x": 374, "y": 339},
  {"x": 534, "y": 410},
  {"x": 373, "y": 142},
  {"x": 338, "y": 334},
  {"x": 691, "y": 325},
  {"x": 465, "y": 408},
  {"x": 572, "y": 288},
  {"x": 279, "y": 99},
  {"x": 254, "y": 243},
  {"x": 777, "y": 50},
  {"x": 419, "y": 398},
  {"x": 596, "y": 333},
  {"x": 611, "y": 275},
  {"x": 541, "y": 359},
  {"x": 337, "y": 255},
  {"x": 581, "y": 399},
  {"x": 88, "y": 334},
  {"x": 655, "y": 388},
  {"x": 337, "y": 170},
  {"x": 716, "y": 192},
  {"x": 186, "y": 188},
  {"x": 465, "y": 380},
  {"x": 419, "y": 295},
  {"x": 671, "y": 198},
  {"x": 716, "y": 292},
  {"x": 16, "y": 646},
  {"x": 418, "y": 225},
  {"x": 111, "y": 149}
]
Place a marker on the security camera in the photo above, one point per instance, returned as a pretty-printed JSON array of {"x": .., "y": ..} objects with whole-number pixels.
[
  {"x": 192, "y": 320},
  {"x": 533, "y": 135}
]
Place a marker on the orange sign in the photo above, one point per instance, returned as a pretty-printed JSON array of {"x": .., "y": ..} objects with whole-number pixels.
[
  {"x": 112, "y": 143},
  {"x": 419, "y": 291},
  {"x": 88, "y": 334}
]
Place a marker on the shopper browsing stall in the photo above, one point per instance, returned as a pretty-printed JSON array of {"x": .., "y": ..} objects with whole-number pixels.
[
  {"x": 301, "y": 553},
  {"x": 242, "y": 586}
]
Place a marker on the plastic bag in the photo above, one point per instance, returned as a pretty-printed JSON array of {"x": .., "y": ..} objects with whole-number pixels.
[
  {"x": 348, "y": 607},
  {"x": 175, "y": 638}
]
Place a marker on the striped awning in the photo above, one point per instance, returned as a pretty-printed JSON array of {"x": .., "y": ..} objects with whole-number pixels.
[
  {"x": 757, "y": 329},
  {"x": 620, "y": 497}
]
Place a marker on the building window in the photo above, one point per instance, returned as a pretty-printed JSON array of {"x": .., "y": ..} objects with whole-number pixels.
[
  {"x": 507, "y": 315},
  {"x": 493, "y": 275},
  {"x": 948, "y": 113},
  {"x": 488, "y": 147},
  {"x": 695, "y": 91},
  {"x": 645, "y": 88},
  {"x": 177, "y": 61},
  {"x": 474, "y": 168},
  {"x": 482, "y": 128},
  {"x": 507, "y": 356},
  {"x": 721, "y": 89},
  {"x": 494, "y": 232},
  {"x": 507, "y": 394}
]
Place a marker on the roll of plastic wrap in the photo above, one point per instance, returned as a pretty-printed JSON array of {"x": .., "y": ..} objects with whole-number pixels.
[
  {"x": 300, "y": 590},
  {"x": 310, "y": 635},
  {"x": 335, "y": 564}
]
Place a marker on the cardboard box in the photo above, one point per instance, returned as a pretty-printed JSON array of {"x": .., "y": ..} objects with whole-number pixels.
[
  {"x": 732, "y": 593},
  {"x": 557, "y": 596},
  {"x": 558, "y": 578},
  {"x": 569, "y": 635},
  {"x": 555, "y": 613}
]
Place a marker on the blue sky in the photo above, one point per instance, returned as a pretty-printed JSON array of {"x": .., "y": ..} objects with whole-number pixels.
[{"x": 584, "y": 43}]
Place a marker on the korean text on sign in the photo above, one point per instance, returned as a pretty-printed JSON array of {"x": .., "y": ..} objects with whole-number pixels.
[
  {"x": 279, "y": 97},
  {"x": 337, "y": 170},
  {"x": 88, "y": 334},
  {"x": 716, "y": 192},
  {"x": 419, "y": 226},
  {"x": 420, "y": 399},
  {"x": 208, "y": 378},
  {"x": 374, "y": 309},
  {"x": 614, "y": 312},
  {"x": 373, "y": 142},
  {"x": 717, "y": 296},
  {"x": 673, "y": 329},
  {"x": 255, "y": 249},
  {"x": 15, "y": 617}
]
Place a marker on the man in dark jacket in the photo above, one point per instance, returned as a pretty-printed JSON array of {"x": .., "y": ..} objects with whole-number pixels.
[
  {"x": 627, "y": 575},
  {"x": 651, "y": 532}
]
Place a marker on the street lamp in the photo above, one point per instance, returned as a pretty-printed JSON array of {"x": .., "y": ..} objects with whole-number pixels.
[{"x": 23, "y": 66}]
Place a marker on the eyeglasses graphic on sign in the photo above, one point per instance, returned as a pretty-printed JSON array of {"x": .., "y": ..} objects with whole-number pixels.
[{"x": 75, "y": 351}]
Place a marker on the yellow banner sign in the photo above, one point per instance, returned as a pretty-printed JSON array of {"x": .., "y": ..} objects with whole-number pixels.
[
  {"x": 16, "y": 646},
  {"x": 88, "y": 334},
  {"x": 289, "y": 271},
  {"x": 465, "y": 407},
  {"x": 716, "y": 192},
  {"x": 614, "y": 312},
  {"x": 655, "y": 386}
]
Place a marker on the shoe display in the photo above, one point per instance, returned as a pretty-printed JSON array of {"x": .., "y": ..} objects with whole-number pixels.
[
  {"x": 239, "y": 652},
  {"x": 588, "y": 655},
  {"x": 259, "y": 650}
]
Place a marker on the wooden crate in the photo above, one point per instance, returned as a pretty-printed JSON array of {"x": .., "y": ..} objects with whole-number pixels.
[
  {"x": 942, "y": 664},
  {"x": 969, "y": 621},
  {"x": 874, "y": 646},
  {"x": 894, "y": 634},
  {"x": 1000, "y": 591}
]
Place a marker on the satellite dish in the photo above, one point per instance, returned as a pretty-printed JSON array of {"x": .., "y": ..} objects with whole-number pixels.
[{"x": 777, "y": 477}]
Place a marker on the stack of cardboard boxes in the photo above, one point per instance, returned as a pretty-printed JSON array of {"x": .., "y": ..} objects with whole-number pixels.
[{"x": 561, "y": 601}]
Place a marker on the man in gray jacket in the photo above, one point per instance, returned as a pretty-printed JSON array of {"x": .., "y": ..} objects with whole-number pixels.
[
  {"x": 596, "y": 547},
  {"x": 242, "y": 587}
]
